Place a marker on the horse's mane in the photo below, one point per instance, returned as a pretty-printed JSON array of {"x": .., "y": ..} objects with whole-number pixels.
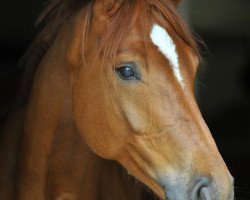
[
  {"x": 50, "y": 20},
  {"x": 58, "y": 12}
]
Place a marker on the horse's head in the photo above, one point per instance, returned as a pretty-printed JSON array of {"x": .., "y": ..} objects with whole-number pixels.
[{"x": 134, "y": 100}]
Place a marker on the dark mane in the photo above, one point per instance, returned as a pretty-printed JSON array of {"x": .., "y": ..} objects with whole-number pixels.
[
  {"x": 59, "y": 12},
  {"x": 51, "y": 20}
]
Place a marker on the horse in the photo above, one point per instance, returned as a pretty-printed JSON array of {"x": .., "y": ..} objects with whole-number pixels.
[{"x": 109, "y": 99}]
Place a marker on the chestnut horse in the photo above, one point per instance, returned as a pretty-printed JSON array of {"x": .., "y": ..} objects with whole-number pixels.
[{"x": 112, "y": 92}]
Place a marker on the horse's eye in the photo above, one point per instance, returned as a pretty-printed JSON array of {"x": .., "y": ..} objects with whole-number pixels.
[{"x": 127, "y": 72}]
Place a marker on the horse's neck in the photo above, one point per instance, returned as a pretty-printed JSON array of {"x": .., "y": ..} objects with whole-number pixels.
[
  {"x": 71, "y": 171},
  {"x": 54, "y": 162}
]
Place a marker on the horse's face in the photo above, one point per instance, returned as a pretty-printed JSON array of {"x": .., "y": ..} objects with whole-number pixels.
[{"x": 141, "y": 111}]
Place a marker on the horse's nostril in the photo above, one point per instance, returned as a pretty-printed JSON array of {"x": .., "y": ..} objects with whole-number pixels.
[{"x": 201, "y": 189}]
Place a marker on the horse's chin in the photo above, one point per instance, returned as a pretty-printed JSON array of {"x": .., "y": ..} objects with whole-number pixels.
[{"x": 147, "y": 193}]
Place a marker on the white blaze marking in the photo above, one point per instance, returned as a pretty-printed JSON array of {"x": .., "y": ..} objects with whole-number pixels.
[{"x": 164, "y": 42}]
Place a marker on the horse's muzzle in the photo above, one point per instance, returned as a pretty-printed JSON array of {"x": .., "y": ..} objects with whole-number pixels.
[{"x": 203, "y": 188}]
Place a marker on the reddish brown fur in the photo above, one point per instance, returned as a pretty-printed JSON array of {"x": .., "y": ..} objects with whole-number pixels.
[
  {"x": 79, "y": 110},
  {"x": 60, "y": 12}
]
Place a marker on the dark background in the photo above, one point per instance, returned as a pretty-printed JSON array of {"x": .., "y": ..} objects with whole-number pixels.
[
  {"x": 222, "y": 85},
  {"x": 223, "y": 82}
]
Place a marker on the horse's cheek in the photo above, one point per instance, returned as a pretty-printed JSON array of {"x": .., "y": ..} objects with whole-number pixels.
[{"x": 90, "y": 117}]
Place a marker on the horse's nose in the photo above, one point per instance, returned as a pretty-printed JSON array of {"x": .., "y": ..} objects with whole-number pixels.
[
  {"x": 199, "y": 188},
  {"x": 202, "y": 189}
]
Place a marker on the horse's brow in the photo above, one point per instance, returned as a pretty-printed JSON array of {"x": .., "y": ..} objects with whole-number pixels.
[
  {"x": 131, "y": 51},
  {"x": 138, "y": 54}
]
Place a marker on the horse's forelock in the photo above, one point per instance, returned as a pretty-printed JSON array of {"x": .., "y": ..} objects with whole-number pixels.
[
  {"x": 59, "y": 11},
  {"x": 162, "y": 11}
]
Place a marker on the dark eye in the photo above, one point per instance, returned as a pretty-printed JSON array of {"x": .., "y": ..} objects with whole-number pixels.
[{"x": 127, "y": 72}]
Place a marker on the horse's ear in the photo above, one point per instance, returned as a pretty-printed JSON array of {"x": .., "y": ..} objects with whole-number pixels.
[
  {"x": 105, "y": 8},
  {"x": 176, "y": 2},
  {"x": 102, "y": 11}
]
